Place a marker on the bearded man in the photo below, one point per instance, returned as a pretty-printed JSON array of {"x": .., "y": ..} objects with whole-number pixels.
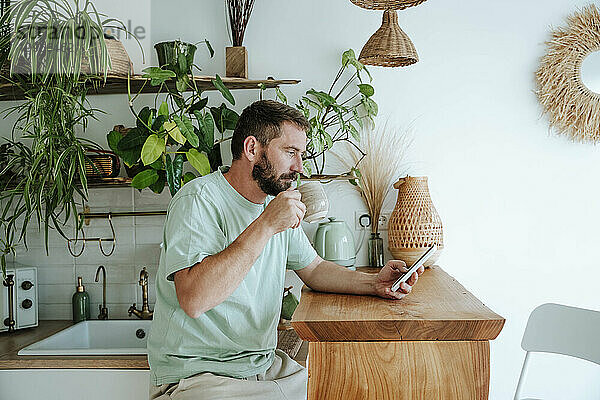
[{"x": 228, "y": 238}]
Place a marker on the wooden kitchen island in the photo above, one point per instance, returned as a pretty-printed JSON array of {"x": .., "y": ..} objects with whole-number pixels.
[{"x": 433, "y": 344}]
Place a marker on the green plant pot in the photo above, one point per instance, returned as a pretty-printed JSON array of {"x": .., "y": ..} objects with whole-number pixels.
[{"x": 169, "y": 52}]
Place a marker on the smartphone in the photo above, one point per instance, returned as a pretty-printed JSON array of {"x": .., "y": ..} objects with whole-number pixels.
[{"x": 414, "y": 268}]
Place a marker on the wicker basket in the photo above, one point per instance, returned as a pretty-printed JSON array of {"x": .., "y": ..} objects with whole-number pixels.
[
  {"x": 387, "y": 4},
  {"x": 121, "y": 64},
  {"x": 389, "y": 46},
  {"x": 102, "y": 164},
  {"x": 414, "y": 225},
  {"x": 119, "y": 59}
]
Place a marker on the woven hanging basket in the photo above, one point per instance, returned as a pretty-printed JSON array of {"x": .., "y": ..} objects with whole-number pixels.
[
  {"x": 414, "y": 225},
  {"x": 387, "y": 4},
  {"x": 389, "y": 46}
]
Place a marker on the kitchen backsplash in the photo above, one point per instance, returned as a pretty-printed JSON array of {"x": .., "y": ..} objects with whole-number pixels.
[{"x": 137, "y": 245}]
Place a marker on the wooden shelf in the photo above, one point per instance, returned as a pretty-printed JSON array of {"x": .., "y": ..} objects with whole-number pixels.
[
  {"x": 118, "y": 85},
  {"x": 119, "y": 181},
  {"x": 122, "y": 181},
  {"x": 322, "y": 178}
]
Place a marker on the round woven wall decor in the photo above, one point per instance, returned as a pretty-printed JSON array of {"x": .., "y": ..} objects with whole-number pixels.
[
  {"x": 387, "y": 4},
  {"x": 573, "y": 109}
]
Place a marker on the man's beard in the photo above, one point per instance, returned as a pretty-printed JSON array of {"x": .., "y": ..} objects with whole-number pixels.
[{"x": 265, "y": 175}]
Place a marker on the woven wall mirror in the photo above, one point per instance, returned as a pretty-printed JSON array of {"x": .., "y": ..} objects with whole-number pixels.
[{"x": 568, "y": 79}]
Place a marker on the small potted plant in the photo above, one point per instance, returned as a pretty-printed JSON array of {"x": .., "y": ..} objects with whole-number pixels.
[{"x": 178, "y": 56}]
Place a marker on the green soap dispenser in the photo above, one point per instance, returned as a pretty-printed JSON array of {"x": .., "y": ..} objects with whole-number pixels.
[{"x": 81, "y": 303}]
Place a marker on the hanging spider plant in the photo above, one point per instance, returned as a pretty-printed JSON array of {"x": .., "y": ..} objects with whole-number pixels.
[
  {"x": 57, "y": 37},
  {"x": 56, "y": 51}
]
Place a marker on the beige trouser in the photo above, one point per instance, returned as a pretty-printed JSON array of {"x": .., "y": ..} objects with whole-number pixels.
[{"x": 284, "y": 380}]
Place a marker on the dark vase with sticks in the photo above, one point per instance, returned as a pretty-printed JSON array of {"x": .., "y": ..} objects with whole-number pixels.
[{"x": 236, "y": 57}]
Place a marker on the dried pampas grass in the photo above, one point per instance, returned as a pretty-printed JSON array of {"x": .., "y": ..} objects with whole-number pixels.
[
  {"x": 572, "y": 108},
  {"x": 383, "y": 163}
]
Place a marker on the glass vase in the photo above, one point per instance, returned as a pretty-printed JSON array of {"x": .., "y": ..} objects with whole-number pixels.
[{"x": 375, "y": 251}]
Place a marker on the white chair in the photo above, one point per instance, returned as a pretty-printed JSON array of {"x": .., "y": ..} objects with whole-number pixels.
[{"x": 554, "y": 328}]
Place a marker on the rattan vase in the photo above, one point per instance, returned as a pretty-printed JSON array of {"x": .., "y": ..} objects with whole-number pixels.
[{"x": 414, "y": 225}]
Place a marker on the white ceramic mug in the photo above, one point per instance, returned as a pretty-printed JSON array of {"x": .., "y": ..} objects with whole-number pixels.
[{"x": 315, "y": 200}]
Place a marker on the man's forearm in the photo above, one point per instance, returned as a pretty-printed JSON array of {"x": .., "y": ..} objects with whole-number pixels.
[
  {"x": 330, "y": 277},
  {"x": 208, "y": 283}
]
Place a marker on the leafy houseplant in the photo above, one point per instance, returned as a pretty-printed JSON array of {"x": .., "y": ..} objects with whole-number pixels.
[
  {"x": 335, "y": 115},
  {"x": 53, "y": 44},
  {"x": 180, "y": 130}
]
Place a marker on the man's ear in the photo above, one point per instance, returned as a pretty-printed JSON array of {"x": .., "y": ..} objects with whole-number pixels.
[{"x": 251, "y": 148}]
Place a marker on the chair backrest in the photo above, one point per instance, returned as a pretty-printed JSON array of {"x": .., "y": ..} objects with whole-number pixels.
[
  {"x": 572, "y": 331},
  {"x": 554, "y": 328}
]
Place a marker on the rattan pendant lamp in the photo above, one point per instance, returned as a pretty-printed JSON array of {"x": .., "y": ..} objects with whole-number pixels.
[{"x": 389, "y": 46}]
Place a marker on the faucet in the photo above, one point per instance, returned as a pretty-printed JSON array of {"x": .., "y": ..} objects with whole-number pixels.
[
  {"x": 145, "y": 312},
  {"x": 103, "y": 310}
]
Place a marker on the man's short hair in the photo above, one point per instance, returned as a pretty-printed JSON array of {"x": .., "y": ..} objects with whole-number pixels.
[{"x": 263, "y": 120}]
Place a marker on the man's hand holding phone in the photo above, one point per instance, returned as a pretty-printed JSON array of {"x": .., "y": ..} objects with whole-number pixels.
[
  {"x": 389, "y": 274},
  {"x": 397, "y": 281}
]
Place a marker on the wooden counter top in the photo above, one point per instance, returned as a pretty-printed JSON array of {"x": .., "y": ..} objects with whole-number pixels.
[
  {"x": 438, "y": 308},
  {"x": 10, "y": 344}
]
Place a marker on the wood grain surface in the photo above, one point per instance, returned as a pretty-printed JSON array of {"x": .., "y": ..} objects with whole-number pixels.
[
  {"x": 236, "y": 62},
  {"x": 438, "y": 308},
  {"x": 408, "y": 370},
  {"x": 10, "y": 342}
]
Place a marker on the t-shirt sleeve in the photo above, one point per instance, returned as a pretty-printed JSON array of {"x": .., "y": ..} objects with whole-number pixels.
[
  {"x": 300, "y": 251},
  {"x": 192, "y": 233}
]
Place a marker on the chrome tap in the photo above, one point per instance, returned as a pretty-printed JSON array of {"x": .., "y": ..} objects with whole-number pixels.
[
  {"x": 145, "y": 312},
  {"x": 102, "y": 307}
]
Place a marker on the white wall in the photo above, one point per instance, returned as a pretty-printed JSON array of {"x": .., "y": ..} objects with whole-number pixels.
[{"x": 518, "y": 204}]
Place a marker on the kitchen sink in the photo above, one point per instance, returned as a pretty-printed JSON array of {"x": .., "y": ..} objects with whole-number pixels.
[{"x": 111, "y": 337}]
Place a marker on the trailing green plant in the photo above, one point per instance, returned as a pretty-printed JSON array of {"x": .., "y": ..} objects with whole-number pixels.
[
  {"x": 338, "y": 114},
  {"x": 57, "y": 51},
  {"x": 57, "y": 37},
  {"x": 179, "y": 129}
]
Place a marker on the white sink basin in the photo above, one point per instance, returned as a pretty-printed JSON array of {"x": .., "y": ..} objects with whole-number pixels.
[{"x": 110, "y": 337}]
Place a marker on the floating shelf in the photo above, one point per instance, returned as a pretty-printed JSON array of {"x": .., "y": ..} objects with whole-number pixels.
[
  {"x": 122, "y": 181},
  {"x": 118, "y": 85},
  {"x": 328, "y": 178}
]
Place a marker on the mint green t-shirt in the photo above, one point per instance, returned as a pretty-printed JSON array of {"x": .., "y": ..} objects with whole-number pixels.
[{"x": 238, "y": 337}]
